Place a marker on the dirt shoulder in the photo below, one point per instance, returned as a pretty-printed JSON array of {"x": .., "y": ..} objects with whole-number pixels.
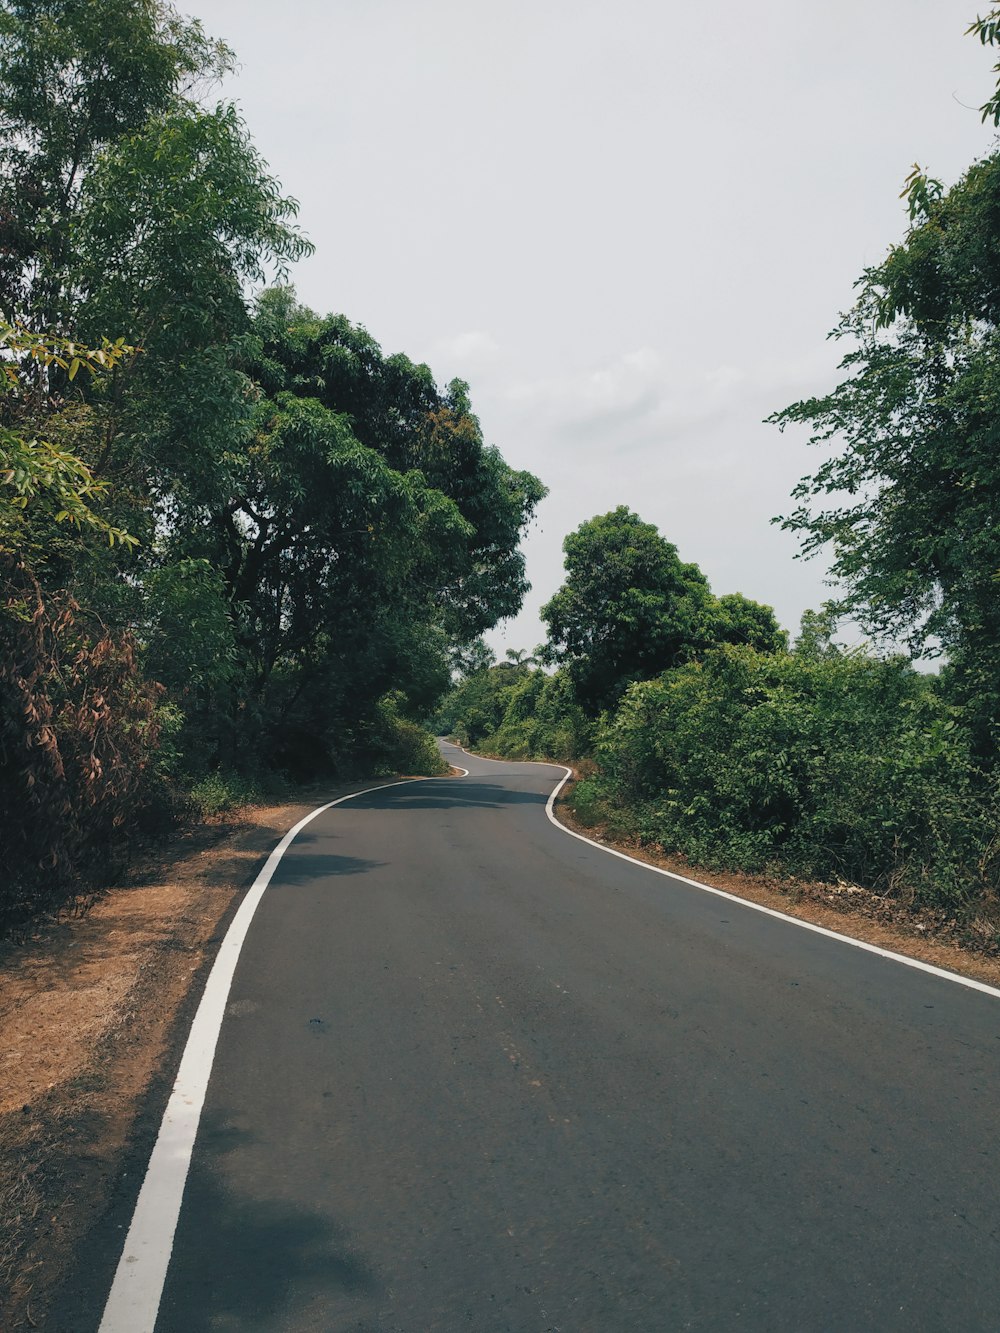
[
  {"x": 89, "y": 1007},
  {"x": 970, "y": 946}
]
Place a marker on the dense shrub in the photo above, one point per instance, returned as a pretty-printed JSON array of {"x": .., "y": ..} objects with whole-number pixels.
[
  {"x": 392, "y": 743},
  {"x": 519, "y": 713},
  {"x": 835, "y": 766},
  {"x": 543, "y": 720},
  {"x": 224, "y": 790},
  {"x": 79, "y": 727}
]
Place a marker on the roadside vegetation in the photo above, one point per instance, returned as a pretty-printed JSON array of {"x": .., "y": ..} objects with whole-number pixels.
[{"x": 238, "y": 542}]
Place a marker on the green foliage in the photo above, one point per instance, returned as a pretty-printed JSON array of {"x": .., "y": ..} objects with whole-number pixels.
[
  {"x": 38, "y": 471},
  {"x": 190, "y": 641},
  {"x": 223, "y": 790},
  {"x": 465, "y": 659},
  {"x": 907, "y": 498},
  {"x": 296, "y": 533},
  {"x": 988, "y": 31},
  {"x": 543, "y": 720},
  {"x": 392, "y": 743},
  {"x": 517, "y": 712},
  {"x": 394, "y": 408},
  {"x": 475, "y": 708},
  {"x": 364, "y": 532},
  {"x": 736, "y": 619},
  {"x": 816, "y": 631},
  {"x": 71, "y": 84},
  {"x": 823, "y": 766},
  {"x": 629, "y": 607}
]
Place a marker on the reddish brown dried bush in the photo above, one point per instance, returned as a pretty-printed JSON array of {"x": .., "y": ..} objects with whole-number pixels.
[{"x": 78, "y": 735}]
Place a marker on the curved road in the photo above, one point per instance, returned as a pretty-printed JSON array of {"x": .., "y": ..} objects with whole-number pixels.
[{"x": 478, "y": 1074}]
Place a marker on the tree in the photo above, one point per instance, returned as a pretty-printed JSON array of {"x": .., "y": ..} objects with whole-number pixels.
[
  {"x": 395, "y": 408},
  {"x": 629, "y": 608},
  {"x": 362, "y": 530},
  {"x": 816, "y": 631},
  {"x": 301, "y": 527},
  {"x": 737, "y": 619},
  {"x": 71, "y": 85},
  {"x": 78, "y": 722},
  {"x": 468, "y": 659},
  {"x": 35, "y": 470},
  {"x": 988, "y": 31},
  {"x": 908, "y": 502},
  {"x": 125, "y": 208}
]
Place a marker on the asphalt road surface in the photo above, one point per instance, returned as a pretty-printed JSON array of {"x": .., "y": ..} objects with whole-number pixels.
[{"x": 476, "y": 1074}]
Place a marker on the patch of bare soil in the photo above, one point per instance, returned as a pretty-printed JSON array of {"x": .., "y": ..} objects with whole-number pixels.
[
  {"x": 969, "y": 946},
  {"x": 87, "y": 1008}
]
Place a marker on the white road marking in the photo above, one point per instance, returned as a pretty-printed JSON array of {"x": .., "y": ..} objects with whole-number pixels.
[
  {"x": 956, "y": 977},
  {"x": 134, "y": 1301}
]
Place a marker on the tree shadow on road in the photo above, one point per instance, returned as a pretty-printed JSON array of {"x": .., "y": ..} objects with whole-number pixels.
[
  {"x": 425, "y": 796},
  {"x": 298, "y": 867},
  {"x": 246, "y": 1261}
]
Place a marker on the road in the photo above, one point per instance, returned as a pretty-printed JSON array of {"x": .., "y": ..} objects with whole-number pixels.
[{"x": 477, "y": 1074}]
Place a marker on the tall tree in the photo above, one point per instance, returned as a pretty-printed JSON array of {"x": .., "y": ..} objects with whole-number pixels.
[
  {"x": 74, "y": 81},
  {"x": 365, "y": 526},
  {"x": 908, "y": 501},
  {"x": 628, "y": 609},
  {"x": 395, "y": 408}
]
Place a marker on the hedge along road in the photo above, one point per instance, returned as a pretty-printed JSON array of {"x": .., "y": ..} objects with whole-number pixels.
[{"x": 476, "y": 1073}]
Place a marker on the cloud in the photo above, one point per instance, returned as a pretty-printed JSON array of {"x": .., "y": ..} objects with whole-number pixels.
[
  {"x": 472, "y": 348},
  {"x": 641, "y": 397}
]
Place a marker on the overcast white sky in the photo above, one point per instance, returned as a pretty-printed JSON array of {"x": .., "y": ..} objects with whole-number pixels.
[{"x": 628, "y": 225}]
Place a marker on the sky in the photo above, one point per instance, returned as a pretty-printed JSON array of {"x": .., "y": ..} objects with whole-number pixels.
[{"x": 629, "y": 226}]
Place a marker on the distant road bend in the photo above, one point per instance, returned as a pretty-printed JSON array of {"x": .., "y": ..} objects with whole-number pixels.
[{"x": 477, "y": 1074}]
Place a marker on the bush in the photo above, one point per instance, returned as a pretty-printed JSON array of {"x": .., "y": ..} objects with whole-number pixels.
[
  {"x": 79, "y": 729},
  {"x": 843, "y": 766},
  {"x": 543, "y": 720},
  {"x": 225, "y": 790},
  {"x": 391, "y": 743},
  {"x": 513, "y": 711}
]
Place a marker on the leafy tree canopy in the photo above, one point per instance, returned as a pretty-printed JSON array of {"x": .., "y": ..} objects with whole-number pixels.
[
  {"x": 908, "y": 499},
  {"x": 394, "y": 407},
  {"x": 33, "y": 469},
  {"x": 73, "y": 81},
  {"x": 739, "y": 620},
  {"x": 629, "y": 608}
]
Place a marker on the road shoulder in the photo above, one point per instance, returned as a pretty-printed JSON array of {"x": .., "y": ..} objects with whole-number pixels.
[{"x": 92, "y": 1010}]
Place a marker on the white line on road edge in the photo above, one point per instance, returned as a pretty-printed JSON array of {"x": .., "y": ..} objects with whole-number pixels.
[
  {"x": 134, "y": 1301},
  {"x": 941, "y": 972},
  {"x": 956, "y": 977}
]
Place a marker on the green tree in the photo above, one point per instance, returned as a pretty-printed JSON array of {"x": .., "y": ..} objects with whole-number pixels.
[
  {"x": 395, "y": 408},
  {"x": 830, "y": 765},
  {"x": 988, "y": 31},
  {"x": 466, "y": 659},
  {"x": 628, "y": 609},
  {"x": 907, "y": 502},
  {"x": 737, "y": 619},
  {"x": 816, "y": 631},
  {"x": 73, "y": 83},
  {"x": 364, "y": 532},
  {"x": 34, "y": 470}
]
